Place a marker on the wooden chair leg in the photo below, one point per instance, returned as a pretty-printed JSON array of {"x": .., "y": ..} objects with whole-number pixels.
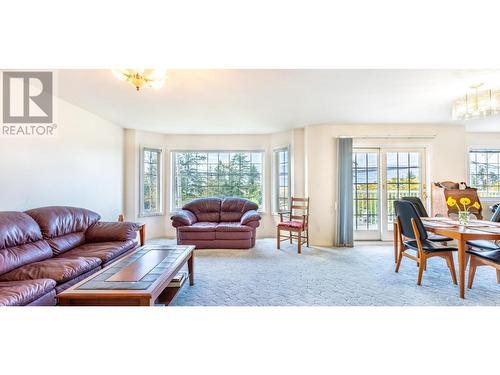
[
  {"x": 399, "y": 259},
  {"x": 278, "y": 238},
  {"x": 498, "y": 276},
  {"x": 421, "y": 266},
  {"x": 472, "y": 272},
  {"x": 300, "y": 242},
  {"x": 307, "y": 237},
  {"x": 290, "y": 233},
  {"x": 451, "y": 266}
]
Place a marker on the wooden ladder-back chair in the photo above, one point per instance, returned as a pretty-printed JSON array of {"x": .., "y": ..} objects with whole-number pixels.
[{"x": 297, "y": 224}]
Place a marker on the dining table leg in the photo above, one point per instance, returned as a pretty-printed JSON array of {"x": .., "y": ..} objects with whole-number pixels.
[{"x": 462, "y": 247}]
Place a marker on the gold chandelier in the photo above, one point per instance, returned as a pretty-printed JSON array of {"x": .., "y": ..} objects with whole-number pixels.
[
  {"x": 141, "y": 78},
  {"x": 477, "y": 104}
]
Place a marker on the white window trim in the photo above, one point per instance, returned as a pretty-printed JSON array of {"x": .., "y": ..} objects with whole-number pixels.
[
  {"x": 143, "y": 213},
  {"x": 275, "y": 174},
  {"x": 480, "y": 149},
  {"x": 173, "y": 176}
]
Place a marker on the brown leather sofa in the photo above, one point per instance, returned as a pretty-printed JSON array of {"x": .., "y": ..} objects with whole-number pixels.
[
  {"x": 215, "y": 223},
  {"x": 46, "y": 250}
]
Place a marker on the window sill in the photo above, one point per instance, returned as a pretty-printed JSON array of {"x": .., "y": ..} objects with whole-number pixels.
[{"x": 151, "y": 214}]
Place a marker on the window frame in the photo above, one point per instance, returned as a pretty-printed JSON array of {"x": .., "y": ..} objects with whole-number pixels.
[
  {"x": 479, "y": 149},
  {"x": 173, "y": 175},
  {"x": 161, "y": 211},
  {"x": 276, "y": 171}
]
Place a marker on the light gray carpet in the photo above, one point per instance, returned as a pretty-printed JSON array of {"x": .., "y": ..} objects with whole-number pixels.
[{"x": 363, "y": 276}]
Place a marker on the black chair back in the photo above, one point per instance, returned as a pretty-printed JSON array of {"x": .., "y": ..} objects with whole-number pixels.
[
  {"x": 406, "y": 211},
  {"x": 496, "y": 216},
  {"x": 419, "y": 205}
]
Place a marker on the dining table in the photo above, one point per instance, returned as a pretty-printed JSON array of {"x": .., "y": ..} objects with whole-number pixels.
[{"x": 448, "y": 227}]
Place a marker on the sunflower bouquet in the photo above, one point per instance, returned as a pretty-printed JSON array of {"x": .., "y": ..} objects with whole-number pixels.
[{"x": 463, "y": 208}]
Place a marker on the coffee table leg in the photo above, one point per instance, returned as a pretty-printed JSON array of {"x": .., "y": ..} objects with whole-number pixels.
[{"x": 191, "y": 269}]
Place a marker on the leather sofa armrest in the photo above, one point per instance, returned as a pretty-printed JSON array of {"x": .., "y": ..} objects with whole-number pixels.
[
  {"x": 250, "y": 216},
  {"x": 183, "y": 218},
  {"x": 103, "y": 231}
]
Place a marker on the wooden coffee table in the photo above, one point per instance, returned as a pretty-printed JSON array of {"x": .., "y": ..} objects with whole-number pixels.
[{"x": 139, "y": 279}]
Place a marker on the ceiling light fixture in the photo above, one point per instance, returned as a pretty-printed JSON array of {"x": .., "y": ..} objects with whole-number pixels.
[
  {"x": 141, "y": 78},
  {"x": 477, "y": 104}
]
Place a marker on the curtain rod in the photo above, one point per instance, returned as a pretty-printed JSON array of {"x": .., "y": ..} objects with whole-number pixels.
[{"x": 388, "y": 136}]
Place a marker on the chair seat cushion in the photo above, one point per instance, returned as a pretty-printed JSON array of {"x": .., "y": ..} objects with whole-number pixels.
[
  {"x": 438, "y": 238},
  {"x": 20, "y": 293},
  {"x": 58, "y": 269},
  {"x": 105, "y": 251},
  {"x": 232, "y": 227},
  {"x": 493, "y": 255},
  {"x": 291, "y": 224},
  {"x": 429, "y": 246},
  {"x": 201, "y": 226},
  {"x": 483, "y": 244}
]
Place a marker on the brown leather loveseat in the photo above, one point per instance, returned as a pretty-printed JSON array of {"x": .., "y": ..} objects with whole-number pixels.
[
  {"x": 46, "y": 250},
  {"x": 217, "y": 223}
]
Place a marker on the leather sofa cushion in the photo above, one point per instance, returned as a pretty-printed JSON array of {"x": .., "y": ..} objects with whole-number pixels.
[
  {"x": 111, "y": 231},
  {"x": 67, "y": 242},
  {"x": 232, "y": 227},
  {"x": 58, "y": 269},
  {"x": 201, "y": 226},
  {"x": 182, "y": 218},
  {"x": 56, "y": 221},
  {"x": 105, "y": 251},
  {"x": 241, "y": 235},
  {"x": 232, "y": 209},
  {"x": 205, "y": 209},
  {"x": 218, "y": 244},
  {"x": 250, "y": 216},
  {"x": 17, "y": 256},
  {"x": 17, "y": 228},
  {"x": 20, "y": 293},
  {"x": 197, "y": 235}
]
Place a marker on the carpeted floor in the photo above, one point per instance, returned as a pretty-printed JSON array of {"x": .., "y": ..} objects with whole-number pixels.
[{"x": 363, "y": 276}]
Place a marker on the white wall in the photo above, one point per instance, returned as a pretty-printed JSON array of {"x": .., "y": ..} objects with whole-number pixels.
[
  {"x": 160, "y": 226},
  {"x": 81, "y": 166},
  {"x": 446, "y": 161}
]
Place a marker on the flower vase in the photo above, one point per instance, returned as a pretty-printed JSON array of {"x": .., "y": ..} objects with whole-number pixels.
[{"x": 463, "y": 217}]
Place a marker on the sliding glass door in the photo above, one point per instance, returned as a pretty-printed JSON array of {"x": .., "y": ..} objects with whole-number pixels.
[
  {"x": 404, "y": 176},
  {"x": 366, "y": 194},
  {"x": 381, "y": 176}
]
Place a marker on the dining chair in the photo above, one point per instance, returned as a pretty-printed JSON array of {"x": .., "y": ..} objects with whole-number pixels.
[
  {"x": 422, "y": 212},
  {"x": 419, "y": 205},
  {"x": 483, "y": 258},
  {"x": 297, "y": 223},
  {"x": 484, "y": 253},
  {"x": 485, "y": 244},
  {"x": 413, "y": 236}
]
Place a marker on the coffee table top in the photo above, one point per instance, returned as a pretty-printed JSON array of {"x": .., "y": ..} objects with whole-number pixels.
[{"x": 141, "y": 271}]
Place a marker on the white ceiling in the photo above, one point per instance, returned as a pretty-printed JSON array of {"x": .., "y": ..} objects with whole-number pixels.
[{"x": 266, "y": 101}]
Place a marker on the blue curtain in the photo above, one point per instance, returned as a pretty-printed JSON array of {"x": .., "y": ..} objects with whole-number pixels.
[{"x": 344, "y": 230}]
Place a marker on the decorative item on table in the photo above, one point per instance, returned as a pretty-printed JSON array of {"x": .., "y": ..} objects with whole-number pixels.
[
  {"x": 463, "y": 208},
  {"x": 178, "y": 280}
]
